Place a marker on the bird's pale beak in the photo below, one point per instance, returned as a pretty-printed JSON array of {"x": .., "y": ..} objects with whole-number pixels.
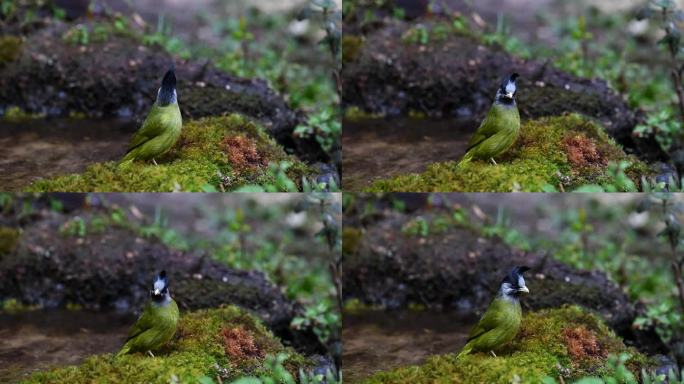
[
  {"x": 509, "y": 95},
  {"x": 157, "y": 292},
  {"x": 523, "y": 289}
]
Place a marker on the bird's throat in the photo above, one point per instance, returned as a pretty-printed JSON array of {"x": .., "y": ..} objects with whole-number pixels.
[{"x": 504, "y": 102}]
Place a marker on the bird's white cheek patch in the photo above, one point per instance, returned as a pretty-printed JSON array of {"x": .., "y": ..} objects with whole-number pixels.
[
  {"x": 158, "y": 285},
  {"x": 510, "y": 88}
]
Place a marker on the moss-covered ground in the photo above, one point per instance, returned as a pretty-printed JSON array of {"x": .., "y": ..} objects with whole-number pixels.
[
  {"x": 15, "y": 114},
  {"x": 563, "y": 342},
  {"x": 562, "y": 152},
  {"x": 223, "y": 343},
  {"x": 215, "y": 153}
]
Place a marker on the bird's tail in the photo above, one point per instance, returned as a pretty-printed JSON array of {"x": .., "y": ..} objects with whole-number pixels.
[
  {"x": 465, "y": 160},
  {"x": 466, "y": 350},
  {"x": 128, "y": 158},
  {"x": 124, "y": 350}
]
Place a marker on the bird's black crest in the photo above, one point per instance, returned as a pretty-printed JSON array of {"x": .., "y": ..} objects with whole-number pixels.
[
  {"x": 509, "y": 79},
  {"x": 512, "y": 276},
  {"x": 167, "y": 89},
  {"x": 162, "y": 275}
]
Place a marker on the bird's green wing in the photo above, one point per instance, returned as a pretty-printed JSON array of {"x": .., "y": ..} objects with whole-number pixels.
[
  {"x": 486, "y": 130},
  {"x": 488, "y": 321},
  {"x": 151, "y": 128},
  {"x": 145, "y": 322}
]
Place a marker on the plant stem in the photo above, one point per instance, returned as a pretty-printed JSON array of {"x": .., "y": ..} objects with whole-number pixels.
[
  {"x": 677, "y": 270},
  {"x": 676, "y": 74},
  {"x": 336, "y": 272},
  {"x": 677, "y": 82},
  {"x": 676, "y": 264},
  {"x": 335, "y": 264}
]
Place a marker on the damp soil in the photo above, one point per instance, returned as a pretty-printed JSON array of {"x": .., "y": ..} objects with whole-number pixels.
[
  {"x": 381, "y": 148},
  {"x": 37, "y": 149},
  {"x": 376, "y": 341},
  {"x": 38, "y": 340}
]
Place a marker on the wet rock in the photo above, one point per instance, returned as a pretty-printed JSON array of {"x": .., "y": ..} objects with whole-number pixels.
[{"x": 455, "y": 74}]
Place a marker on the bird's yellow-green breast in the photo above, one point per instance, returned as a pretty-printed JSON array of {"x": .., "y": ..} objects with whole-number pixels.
[
  {"x": 154, "y": 328},
  {"x": 498, "y": 326}
]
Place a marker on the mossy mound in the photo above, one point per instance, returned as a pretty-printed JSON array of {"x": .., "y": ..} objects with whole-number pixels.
[
  {"x": 226, "y": 343},
  {"x": 563, "y": 342},
  {"x": 221, "y": 153},
  {"x": 564, "y": 152}
]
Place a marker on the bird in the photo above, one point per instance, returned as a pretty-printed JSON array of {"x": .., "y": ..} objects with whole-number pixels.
[
  {"x": 157, "y": 323},
  {"x": 500, "y": 128},
  {"x": 162, "y": 126},
  {"x": 500, "y": 323}
]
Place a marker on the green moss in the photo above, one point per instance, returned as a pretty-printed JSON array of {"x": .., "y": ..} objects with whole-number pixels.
[
  {"x": 546, "y": 345},
  {"x": 13, "y": 306},
  {"x": 10, "y": 48},
  {"x": 198, "y": 349},
  {"x": 16, "y": 114},
  {"x": 75, "y": 115},
  {"x": 201, "y": 159},
  {"x": 355, "y": 113},
  {"x": 351, "y": 46},
  {"x": 546, "y": 103},
  {"x": 437, "y": 32},
  {"x": 563, "y": 151},
  {"x": 9, "y": 238},
  {"x": 355, "y": 305},
  {"x": 418, "y": 115},
  {"x": 208, "y": 293}
]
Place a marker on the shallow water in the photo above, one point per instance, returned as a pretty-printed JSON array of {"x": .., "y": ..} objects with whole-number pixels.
[
  {"x": 380, "y": 148},
  {"x": 45, "y": 148},
  {"x": 38, "y": 340},
  {"x": 377, "y": 341}
]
